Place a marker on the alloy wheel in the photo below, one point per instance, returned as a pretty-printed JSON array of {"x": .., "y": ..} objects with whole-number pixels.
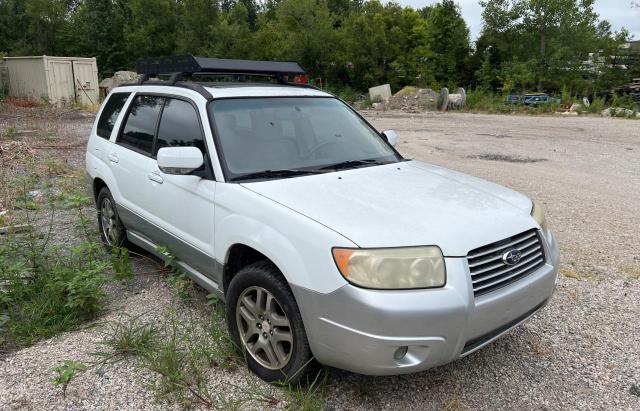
[
  {"x": 109, "y": 222},
  {"x": 265, "y": 330}
]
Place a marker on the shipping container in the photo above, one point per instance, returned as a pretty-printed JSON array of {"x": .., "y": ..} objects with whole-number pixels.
[{"x": 58, "y": 80}]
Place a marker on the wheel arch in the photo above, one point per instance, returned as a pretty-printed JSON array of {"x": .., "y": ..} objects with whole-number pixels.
[
  {"x": 240, "y": 255},
  {"x": 97, "y": 185}
]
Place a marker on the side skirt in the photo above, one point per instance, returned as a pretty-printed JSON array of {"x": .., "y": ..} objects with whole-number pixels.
[{"x": 201, "y": 279}]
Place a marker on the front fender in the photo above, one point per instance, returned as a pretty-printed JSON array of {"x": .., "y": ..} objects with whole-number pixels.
[{"x": 298, "y": 246}]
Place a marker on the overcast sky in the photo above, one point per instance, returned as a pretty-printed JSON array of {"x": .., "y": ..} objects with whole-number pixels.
[{"x": 618, "y": 12}]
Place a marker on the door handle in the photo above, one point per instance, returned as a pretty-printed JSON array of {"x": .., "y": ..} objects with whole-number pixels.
[
  {"x": 155, "y": 177},
  {"x": 113, "y": 158}
]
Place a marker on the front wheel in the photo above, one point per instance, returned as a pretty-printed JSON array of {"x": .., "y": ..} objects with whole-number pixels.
[{"x": 264, "y": 321}]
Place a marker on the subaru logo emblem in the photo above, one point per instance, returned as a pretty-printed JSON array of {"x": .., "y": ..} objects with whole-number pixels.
[{"x": 512, "y": 257}]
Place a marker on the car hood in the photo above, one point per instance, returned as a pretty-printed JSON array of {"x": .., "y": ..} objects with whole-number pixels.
[{"x": 405, "y": 204}]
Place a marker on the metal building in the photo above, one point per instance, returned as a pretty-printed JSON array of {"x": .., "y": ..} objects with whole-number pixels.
[{"x": 58, "y": 80}]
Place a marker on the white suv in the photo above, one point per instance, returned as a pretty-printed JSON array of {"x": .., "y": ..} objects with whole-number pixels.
[{"x": 320, "y": 237}]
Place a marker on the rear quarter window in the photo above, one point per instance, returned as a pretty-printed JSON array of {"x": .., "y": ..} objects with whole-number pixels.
[{"x": 110, "y": 112}]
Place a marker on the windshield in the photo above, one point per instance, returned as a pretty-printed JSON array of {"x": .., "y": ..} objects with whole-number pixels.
[{"x": 293, "y": 135}]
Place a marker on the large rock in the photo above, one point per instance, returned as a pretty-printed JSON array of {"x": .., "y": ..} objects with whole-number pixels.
[{"x": 120, "y": 77}]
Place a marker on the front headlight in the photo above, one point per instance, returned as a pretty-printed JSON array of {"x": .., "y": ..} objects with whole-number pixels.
[
  {"x": 537, "y": 212},
  {"x": 392, "y": 268}
]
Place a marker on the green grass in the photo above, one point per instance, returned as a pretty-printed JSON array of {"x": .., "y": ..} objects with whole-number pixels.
[
  {"x": 128, "y": 337},
  {"x": 46, "y": 288}
]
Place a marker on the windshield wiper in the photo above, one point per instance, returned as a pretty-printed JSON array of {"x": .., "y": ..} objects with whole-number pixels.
[
  {"x": 352, "y": 163},
  {"x": 275, "y": 174}
]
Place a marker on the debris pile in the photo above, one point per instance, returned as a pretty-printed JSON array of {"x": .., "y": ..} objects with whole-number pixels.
[
  {"x": 15, "y": 150},
  {"x": 619, "y": 112},
  {"x": 412, "y": 99}
]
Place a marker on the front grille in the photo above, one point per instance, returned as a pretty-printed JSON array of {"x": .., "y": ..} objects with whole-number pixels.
[{"x": 489, "y": 272}]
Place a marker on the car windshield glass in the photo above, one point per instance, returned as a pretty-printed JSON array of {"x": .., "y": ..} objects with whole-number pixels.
[{"x": 266, "y": 134}]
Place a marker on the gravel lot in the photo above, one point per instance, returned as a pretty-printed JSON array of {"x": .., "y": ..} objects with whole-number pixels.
[{"x": 582, "y": 351}]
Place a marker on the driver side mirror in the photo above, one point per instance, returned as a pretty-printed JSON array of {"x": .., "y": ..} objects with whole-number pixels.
[
  {"x": 390, "y": 136},
  {"x": 179, "y": 160}
]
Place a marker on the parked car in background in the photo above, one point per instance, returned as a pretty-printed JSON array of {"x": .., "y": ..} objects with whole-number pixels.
[{"x": 321, "y": 238}]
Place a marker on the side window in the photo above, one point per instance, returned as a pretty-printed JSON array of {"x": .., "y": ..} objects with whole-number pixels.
[
  {"x": 140, "y": 125},
  {"x": 110, "y": 113},
  {"x": 179, "y": 126}
]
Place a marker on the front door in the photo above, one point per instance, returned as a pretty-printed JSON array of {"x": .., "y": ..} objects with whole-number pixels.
[{"x": 183, "y": 204}]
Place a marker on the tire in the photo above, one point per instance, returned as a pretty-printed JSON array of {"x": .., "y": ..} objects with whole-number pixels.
[
  {"x": 112, "y": 230},
  {"x": 294, "y": 360}
]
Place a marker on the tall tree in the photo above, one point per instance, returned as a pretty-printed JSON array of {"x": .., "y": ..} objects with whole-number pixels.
[
  {"x": 95, "y": 30},
  {"x": 195, "y": 27},
  {"x": 549, "y": 39},
  {"x": 47, "y": 23},
  {"x": 448, "y": 41},
  {"x": 151, "y": 29}
]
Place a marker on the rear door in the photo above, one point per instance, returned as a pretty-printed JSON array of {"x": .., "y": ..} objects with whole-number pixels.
[
  {"x": 100, "y": 144},
  {"x": 129, "y": 159},
  {"x": 183, "y": 204}
]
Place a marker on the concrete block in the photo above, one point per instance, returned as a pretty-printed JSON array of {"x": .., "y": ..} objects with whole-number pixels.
[{"x": 381, "y": 93}]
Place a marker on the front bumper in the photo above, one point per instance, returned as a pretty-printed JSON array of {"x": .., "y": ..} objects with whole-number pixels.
[{"x": 360, "y": 330}]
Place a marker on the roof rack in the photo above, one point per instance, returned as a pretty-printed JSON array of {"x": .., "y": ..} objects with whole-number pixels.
[
  {"x": 180, "y": 67},
  {"x": 187, "y": 65}
]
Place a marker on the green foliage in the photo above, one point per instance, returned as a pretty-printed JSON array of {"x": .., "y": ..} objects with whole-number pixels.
[
  {"x": 47, "y": 288},
  {"x": 178, "y": 279},
  {"x": 308, "y": 395},
  {"x": 129, "y": 337},
  {"x": 349, "y": 44},
  {"x": 122, "y": 268},
  {"x": 544, "y": 44},
  {"x": 448, "y": 42},
  {"x": 66, "y": 372},
  {"x": 597, "y": 105}
]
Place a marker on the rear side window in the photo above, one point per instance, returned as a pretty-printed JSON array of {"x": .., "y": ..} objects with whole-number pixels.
[
  {"x": 110, "y": 113},
  {"x": 140, "y": 125},
  {"x": 179, "y": 126}
]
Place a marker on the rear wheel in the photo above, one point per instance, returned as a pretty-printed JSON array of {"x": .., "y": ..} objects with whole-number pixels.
[
  {"x": 264, "y": 321},
  {"x": 111, "y": 229}
]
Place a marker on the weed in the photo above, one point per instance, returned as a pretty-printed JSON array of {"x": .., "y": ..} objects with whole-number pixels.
[
  {"x": 56, "y": 168},
  {"x": 66, "y": 372},
  {"x": 122, "y": 268},
  {"x": 178, "y": 279},
  {"x": 130, "y": 338},
  {"x": 10, "y": 133},
  {"x": 308, "y": 395},
  {"x": 597, "y": 105},
  {"x": 48, "y": 289}
]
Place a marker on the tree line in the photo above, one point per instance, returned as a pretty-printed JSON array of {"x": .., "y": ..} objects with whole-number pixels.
[{"x": 524, "y": 44}]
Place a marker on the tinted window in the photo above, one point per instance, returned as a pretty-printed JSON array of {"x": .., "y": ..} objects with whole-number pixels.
[
  {"x": 110, "y": 114},
  {"x": 179, "y": 126},
  {"x": 140, "y": 125}
]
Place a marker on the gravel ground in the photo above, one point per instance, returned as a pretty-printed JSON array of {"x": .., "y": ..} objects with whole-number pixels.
[{"x": 580, "y": 352}]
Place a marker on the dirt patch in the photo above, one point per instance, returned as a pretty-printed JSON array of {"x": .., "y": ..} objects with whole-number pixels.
[
  {"x": 579, "y": 352},
  {"x": 507, "y": 158}
]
